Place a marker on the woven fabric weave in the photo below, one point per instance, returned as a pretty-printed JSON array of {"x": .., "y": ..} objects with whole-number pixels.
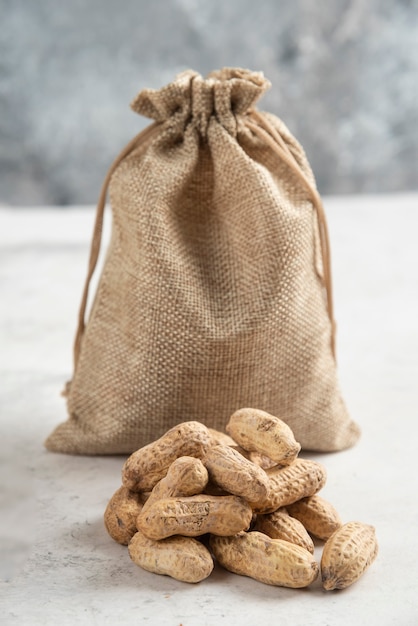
[{"x": 212, "y": 294}]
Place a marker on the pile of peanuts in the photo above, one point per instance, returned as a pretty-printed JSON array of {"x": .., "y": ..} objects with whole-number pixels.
[{"x": 243, "y": 499}]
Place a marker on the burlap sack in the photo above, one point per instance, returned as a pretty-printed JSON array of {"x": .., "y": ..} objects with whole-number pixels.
[{"x": 216, "y": 289}]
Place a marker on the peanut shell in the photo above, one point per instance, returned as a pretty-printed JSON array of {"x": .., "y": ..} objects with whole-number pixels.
[
  {"x": 194, "y": 516},
  {"x": 258, "y": 431},
  {"x": 291, "y": 483},
  {"x": 347, "y": 554},
  {"x": 186, "y": 476},
  {"x": 182, "y": 558},
  {"x": 280, "y": 525},
  {"x": 121, "y": 513},
  {"x": 236, "y": 474},
  {"x": 270, "y": 561},
  {"x": 319, "y": 517},
  {"x": 145, "y": 467}
]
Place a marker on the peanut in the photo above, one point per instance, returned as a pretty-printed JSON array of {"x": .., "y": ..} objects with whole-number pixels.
[
  {"x": 258, "y": 431},
  {"x": 319, "y": 517},
  {"x": 120, "y": 515},
  {"x": 145, "y": 467},
  {"x": 280, "y": 525},
  {"x": 270, "y": 561},
  {"x": 186, "y": 476},
  {"x": 195, "y": 515},
  {"x": 291, "y": 483},
  {"x": 182, "y": 558},
  {"x": 236, "y": 474},
  {"x": 347, "y": 554}
]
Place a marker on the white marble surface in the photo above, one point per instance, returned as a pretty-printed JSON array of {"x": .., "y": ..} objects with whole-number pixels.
[{"x": 57, "y": 564}]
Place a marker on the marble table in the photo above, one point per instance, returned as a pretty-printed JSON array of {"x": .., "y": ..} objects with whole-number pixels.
[{"x": 58, "y": 565}]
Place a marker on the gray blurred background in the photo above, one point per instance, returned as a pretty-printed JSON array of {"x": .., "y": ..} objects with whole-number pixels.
[{"x": 344, "y": 75}]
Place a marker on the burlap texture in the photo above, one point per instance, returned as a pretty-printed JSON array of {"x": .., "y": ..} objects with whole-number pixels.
[{"x": 211, "y": 297}]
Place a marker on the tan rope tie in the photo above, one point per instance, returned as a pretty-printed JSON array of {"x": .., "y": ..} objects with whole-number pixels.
[
  {"x": 97, "y": 233},
  {"x": 272, "y": 137}
]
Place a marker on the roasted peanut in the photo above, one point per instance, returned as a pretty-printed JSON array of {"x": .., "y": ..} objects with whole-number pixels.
[
  {"x": 270, "y": 561},
  {"x": 120, "y": 515},
  {"x": 236, "y": 474},
  {"x": 291, "y": 483},
  {"x": 182, "y": 558},
  {"x": 186, "y": 476},
  {"x": 258, "y": 431},
  {"x": 280, "y": 525},
  {"x": 319, "y": 517},
  {"x": 347, "y": 554},
  {"x": 194, "y": 516},
  {"x": 145, "y": 467}
]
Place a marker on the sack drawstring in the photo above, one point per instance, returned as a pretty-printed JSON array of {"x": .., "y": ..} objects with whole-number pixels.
[
  {"x": 272, "y": 137},
  {"x": 97, "y": 234}
]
